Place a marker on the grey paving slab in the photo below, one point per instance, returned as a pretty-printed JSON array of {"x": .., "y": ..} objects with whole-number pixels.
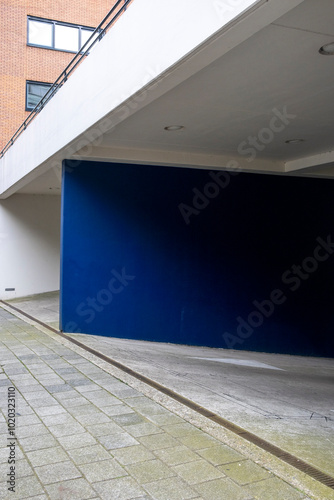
[
  {"x": 151, "y": 470},
  {"x": 225, "y": 489},
  {"x": 119, "y": 409},
  {"x": 133, "y": 454},
  {"x": 58, "y": 472},
  {"x": 143, "y": 429},
  {"x": 172, "y": 488},
  {"x": 177, "y": 455},
  {"x": 38, "y": 442},
  {"x": 89, "y": 454},
  {"x": 128, "y": 419},
  {"x": 158, "y": 441},
  {"x": 73, "y": 489},
  {"x": 245, "y": 472},
  {"x": 104, "y": 429},
  {"x": 274, "y": 488},
  {"x": 100, "y": 471},
  {"x": 220, "y": 454},
  {"x": 26, "y": 487},
  {"x": 47, "y": 456},
  {"x": 119, "y": 440},
  {"x": 197, "y": 472},
  {"x": 124, "y": 488},
  {"x": 77, "y": 441},
  {"x": 84, "y": 434}
]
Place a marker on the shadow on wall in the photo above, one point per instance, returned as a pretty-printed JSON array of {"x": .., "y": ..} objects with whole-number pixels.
[{"x": 249, "y": 267}]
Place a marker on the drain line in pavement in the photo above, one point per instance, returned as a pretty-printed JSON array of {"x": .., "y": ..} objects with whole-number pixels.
[{"x": 286, "y": 457}]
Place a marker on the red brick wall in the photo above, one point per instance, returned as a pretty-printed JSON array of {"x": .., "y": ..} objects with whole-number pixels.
[{"x": 19, "y": 62}]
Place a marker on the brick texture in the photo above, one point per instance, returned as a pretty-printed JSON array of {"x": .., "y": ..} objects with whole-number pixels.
[{"x": 20, "y": 62}]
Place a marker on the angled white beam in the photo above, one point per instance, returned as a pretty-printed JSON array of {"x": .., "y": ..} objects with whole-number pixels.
[{"x": 309, "y": 161}]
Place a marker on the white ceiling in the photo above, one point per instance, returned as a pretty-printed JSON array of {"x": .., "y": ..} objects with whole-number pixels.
[{"x": 234, "y": 97}]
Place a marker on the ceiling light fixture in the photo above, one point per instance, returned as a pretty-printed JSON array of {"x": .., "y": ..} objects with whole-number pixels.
[
  {"x": 327, "y": 50},
  {"x": 294, "y": 141},
  {"x": 174, "y": 128}
]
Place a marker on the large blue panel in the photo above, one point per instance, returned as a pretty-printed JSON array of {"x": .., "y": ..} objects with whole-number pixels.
[{"x": 185, "y": 256}]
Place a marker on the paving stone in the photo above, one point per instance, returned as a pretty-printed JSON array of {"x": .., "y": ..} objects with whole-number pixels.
[
  {"x": 133, "y": 454},
  {"x": 127, "y": 392},
  {"x": 25, "y": 420},
  {"x": 66, "y": 429},
  {"x": 165, "y": 419},
  {"x": 73, "y": 402},
  {"x": 96, "y": 417},
  {"x": 89, "y": 454},
  {"x": 39, "y": 497},
  {"x": 25, "y": 487},
  {"x": 124, "y": 488},
  {"x": 55, "y": 389},
  {"x": 83, "y": 409},
  {"x": 179, "y": 430},
  {"x": 158, "y": 441},
  {"x": 91, "y": 387},
  {"x": 23, "y": 468},
  {"x": 178, "y": 455},
  {"x": 102, "y": 402},
  {"x": 128, "y": 419},
  {"x": 57, "y": 472},
  {"x": 274, "y": 488},
  {"x": 119, "y": 409},
  {"x": 104, "y": 429},
  {"x": 172, "y": 488},
  {"x": 38, "y": 442},
  {"x": 149, "y": 471},
  {"x": 26, "y": 389},
  {"x": 197, "y": 472},
  {"x": 144, "y": 429},
  {"x": 224, "y": 489},
  {"x": 140, "y": 402},
  {"x": 120, "y": 440},
  {"x": 36, "y": 395},
  {"x": 77, "y": 441},
  {"x": 101, "y": 471},
  {"x": 245, "y": 472},
  {"x": 69, "y": 369},
  {"x": 4, "y": 453},
  {"x": 47, "y": 456},
  {"x": 60, "y": 418},
  {"x": 221, "y": 454},
  {"x": 79, "y": 382},
  {"x": 74, "y": 489},
  {"x": 66, "y": 394},
  {"x": 44, "y": 411},
  {"x": 25, "y": 431},
  {"x": 198, "y": 440}
]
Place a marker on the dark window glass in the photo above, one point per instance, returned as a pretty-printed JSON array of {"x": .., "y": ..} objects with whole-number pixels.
[{"x": 34, "y": 93}]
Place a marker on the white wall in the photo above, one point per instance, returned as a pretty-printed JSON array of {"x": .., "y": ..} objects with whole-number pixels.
[{"x": 29, "y": 244}]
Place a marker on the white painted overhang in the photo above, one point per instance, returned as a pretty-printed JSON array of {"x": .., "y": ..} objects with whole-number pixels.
[{"x": 241, "y": 77}]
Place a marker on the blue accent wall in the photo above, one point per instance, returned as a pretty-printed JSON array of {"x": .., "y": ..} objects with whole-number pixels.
[{"x": 178, "y": 255}]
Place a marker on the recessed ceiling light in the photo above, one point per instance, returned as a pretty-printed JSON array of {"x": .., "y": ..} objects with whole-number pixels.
[
  {"x": 174, "y": 128},
  {"x": 294, "y": 141},
  {"x": 327, "y": 50}
]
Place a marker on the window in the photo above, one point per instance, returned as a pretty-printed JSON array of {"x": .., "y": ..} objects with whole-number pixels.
[
  {"x": 56, "y": 35},
  {"x": 34, "y": 93}
]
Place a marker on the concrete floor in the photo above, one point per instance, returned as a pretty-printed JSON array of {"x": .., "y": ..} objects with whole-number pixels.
[{"x": 287, "y": 400}]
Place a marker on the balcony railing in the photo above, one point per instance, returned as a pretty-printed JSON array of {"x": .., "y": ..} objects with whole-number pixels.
[{"x": 119, "y": 7}]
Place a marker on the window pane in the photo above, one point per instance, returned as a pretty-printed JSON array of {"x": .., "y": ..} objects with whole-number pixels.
[
  {"x": 67, "y": 38},
  {"x": 40, "y": 33},
  {"x": 35, "y": 92},
  {"x": 85, "y": 34}
]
